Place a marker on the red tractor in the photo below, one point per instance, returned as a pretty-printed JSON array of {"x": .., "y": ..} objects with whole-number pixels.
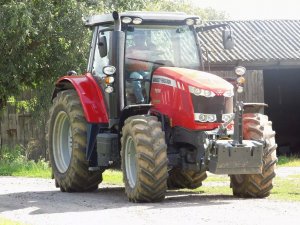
[{"x": 145, "y": 103}]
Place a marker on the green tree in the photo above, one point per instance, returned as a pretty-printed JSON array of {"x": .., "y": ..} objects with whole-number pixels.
[
  {"x": 43, "y": 39},
  {"x": 40, "y": 40}
]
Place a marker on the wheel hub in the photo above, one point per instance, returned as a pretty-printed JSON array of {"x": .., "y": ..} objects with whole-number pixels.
[
  {"x": 130, "y": 162},
  {"x": 62, "y": 141}
]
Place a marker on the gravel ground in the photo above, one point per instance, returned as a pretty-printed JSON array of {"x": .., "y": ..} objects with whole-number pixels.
[{"x": 38, "y": 202}]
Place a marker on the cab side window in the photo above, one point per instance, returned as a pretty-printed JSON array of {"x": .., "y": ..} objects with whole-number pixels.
[{"x": 99, "y": 62}]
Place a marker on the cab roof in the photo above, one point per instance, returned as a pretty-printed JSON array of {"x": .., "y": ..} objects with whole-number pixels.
[{"x": 147, "y": 17}]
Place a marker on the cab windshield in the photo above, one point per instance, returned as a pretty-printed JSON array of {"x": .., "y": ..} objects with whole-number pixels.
[{"x": 175, "y": 45}]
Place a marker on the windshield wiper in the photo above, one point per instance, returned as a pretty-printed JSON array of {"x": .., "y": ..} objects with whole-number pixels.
[{"x": 147, "y": 61}]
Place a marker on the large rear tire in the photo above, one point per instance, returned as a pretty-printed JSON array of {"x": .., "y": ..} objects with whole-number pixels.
[
  {"x": 190, "y": 179},
  {"x": 67, "y": 139},
  {"x": 144, "y": 159},
  {"x": 257, "y": 127}
]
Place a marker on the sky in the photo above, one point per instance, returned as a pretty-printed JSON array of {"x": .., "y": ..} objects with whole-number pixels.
[{"x": 254, "y": 9}]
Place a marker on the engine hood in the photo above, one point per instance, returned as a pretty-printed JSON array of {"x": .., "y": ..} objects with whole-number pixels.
[{"x": 196, "y": 78}]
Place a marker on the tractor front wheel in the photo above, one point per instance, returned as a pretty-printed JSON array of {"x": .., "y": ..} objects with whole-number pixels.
[
  {"x": 144, "y": 159},
  {"x": 257, "y": 127},
  {"x": 67, "y": 139}
]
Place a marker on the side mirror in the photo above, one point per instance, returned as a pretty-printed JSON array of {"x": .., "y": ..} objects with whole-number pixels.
[
  {"x": 228, "y": 41},
  {"x": 102, "y": 44}
]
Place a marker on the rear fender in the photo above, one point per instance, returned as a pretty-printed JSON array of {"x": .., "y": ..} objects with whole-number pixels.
[
  {"x": 91, "y": 97},
  {"x": 93, "y": 104}
]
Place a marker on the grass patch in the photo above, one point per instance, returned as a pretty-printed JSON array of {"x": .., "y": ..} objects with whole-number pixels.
[
  {"x": 216, "y": 178},
  {"x": 4, "y": 221},
  {"x": 286, "y": 188},
  {"x": 14, "y": 163},
  {"x": 112, "y": 177},
  {"x": 25, "y": 169},
  {"x": 291, "y": 161}
]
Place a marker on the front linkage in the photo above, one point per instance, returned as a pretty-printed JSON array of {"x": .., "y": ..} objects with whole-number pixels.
[{"x": 237, "y": 156}]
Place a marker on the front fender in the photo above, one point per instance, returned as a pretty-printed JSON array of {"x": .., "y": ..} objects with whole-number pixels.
[{"x": 90, "y": 94}]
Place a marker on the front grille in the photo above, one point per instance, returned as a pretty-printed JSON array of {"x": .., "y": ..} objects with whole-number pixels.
[{"x": 216, "y": 105}]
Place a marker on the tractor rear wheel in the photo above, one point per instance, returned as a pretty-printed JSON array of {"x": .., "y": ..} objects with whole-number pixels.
[
  {"x": 67, "y": 140},
  {"x": 144, "y": 159},
  {"x": 257, "y": 127},
  {"x": 190, "y": 179}
]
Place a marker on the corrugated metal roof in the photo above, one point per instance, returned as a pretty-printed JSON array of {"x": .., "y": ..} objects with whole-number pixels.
[{"x": 256, "y": 41}]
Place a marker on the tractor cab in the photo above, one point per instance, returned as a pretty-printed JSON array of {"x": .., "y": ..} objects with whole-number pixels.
[
  {"x": 127, "y": 48},
  {"x": 144, "y": 42}
]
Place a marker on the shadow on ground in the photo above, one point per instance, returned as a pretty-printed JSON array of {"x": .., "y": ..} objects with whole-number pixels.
[{"x": 47, "y": 202}]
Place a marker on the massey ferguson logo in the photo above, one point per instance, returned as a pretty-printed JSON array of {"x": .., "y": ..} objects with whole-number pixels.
[{"x": 164, "y": 80}]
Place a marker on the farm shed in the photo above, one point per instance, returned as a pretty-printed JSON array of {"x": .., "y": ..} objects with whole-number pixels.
[{"x": 270, "y": 50}]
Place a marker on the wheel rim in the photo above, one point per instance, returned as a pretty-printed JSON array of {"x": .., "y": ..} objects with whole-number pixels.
[
  {"x": 130, "y": 162},
  {"x": 62, "y": 142}
]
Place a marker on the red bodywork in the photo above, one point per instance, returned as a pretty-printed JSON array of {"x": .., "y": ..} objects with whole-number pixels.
[
  {"x": 91, "y": 97},
  {"x": 170, "y": 94}
]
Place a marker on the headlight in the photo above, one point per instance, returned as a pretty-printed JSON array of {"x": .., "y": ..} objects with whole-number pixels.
[
  {"x": 226, "y": 117},
  {"x": 137, "y": 21},
  {"x": 205, "y": 117},
  {"x": 109, "y": 80},
  {"x": 241, "y": 80},
  {"x": 109, "y": 70},
  {"x": 201, "y": 117},
  {"x": 209, "y": 94},
  {"x": 198, "y": 92},
  {"x": 109, "y": 89},
  {"x": 240, "y": 70},
  {"x": 126, "y": 19},
  {"x": 190, "y": 22},
  {"x": 228, "y": 93},
  {"x": 211, "y": 118},
  {"x": 198, "y": 22},
  {"x": 240, "y": 89},
  {"x": 201, "y": 92}
]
